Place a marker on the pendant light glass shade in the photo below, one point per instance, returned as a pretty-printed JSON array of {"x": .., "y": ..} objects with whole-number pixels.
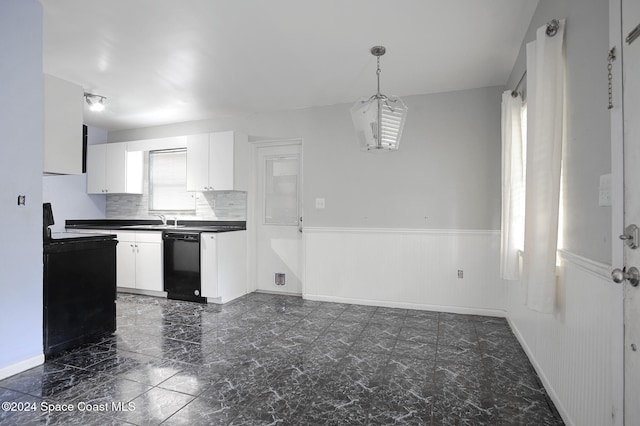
[
  {"x": 379, "y": 122},
  {"x": 379, "y": 119}
]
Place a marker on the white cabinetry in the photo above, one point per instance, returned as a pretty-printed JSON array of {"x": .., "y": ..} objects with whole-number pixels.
[
  {"x": 112, "y": 169},
  {"x": 139, "y": 260},
  {"x": 63, "y": 116},
  {"x": 223, "y": 260},
  {"x": 210, "y": 161}
]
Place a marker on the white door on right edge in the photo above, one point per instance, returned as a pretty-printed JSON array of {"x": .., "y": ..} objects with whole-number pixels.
[{"x": 631, "y": 111}]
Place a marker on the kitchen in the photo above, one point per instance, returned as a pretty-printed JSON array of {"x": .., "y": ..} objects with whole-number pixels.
[{"x": 439, "y": 192}]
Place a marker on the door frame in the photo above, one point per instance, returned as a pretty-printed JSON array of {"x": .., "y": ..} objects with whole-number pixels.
[
  {"x": 253, "y": 205},
  {"x": 617, "y": 213}
]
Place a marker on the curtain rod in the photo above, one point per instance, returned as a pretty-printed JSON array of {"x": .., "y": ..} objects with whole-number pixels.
[
  {"x": 514, "y": 92},
  {"x": 552, "y": 30}
]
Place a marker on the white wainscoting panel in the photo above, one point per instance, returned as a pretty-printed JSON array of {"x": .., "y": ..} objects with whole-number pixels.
[
  {"x": 411, "y": 268},
  {"x": 574, "y": 350}
]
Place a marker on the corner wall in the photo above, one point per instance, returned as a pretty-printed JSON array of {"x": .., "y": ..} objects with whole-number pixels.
[
  {"x": 21, "y": 136},
  {"x": 577, "y": 351}
]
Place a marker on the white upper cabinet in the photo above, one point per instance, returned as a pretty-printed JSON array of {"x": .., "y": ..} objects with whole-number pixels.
[
  {"x": 63, "y": 117},
  {"x": 112, "y": 169},
  {"x": 210, "y": 161},
  {"x": 198, "y": 162}
]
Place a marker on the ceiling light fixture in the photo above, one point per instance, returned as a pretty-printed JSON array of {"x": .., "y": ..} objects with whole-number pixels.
[
  {"x": 379, "y": 120},
  {"x": 95, "y": 102}
]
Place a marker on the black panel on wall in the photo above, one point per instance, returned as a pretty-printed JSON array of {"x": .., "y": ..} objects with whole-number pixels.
[{"x": 84, "y": 148}]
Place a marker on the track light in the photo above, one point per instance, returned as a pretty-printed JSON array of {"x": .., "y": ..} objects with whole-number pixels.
[{"x": 95, "y": 102}]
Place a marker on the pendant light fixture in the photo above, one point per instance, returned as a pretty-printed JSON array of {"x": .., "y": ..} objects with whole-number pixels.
[
  {"x": 379, "y": 119},
  {"x": 95, "y": 102}
]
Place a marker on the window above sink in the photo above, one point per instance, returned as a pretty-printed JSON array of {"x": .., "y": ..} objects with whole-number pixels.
[{"x": 168, "y": 182}]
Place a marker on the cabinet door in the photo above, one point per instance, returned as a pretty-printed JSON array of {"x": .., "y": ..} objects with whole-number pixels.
[
  {"x": 149, "y": 266},
  {"x": 232, "y": 265},
  {"x": 62, "y": 126},
  {"x": 116, "y": 167},
  {"x": 221, "y": 161},
  {"x": 134, "y": 172},
  {"x": 209, "y": 265},
  {"x": 126, "y": 261},
  {"x": 96, "y": 168},
  {"x": 198, "y": 163}
]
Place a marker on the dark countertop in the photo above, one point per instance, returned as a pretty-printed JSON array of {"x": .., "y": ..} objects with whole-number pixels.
[{"x": 156, "y": 225}]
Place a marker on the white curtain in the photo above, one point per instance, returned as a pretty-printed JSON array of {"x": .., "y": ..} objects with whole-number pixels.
[
  {"x": 512, "y": 225},
  {"x": 545, "y": 104}
]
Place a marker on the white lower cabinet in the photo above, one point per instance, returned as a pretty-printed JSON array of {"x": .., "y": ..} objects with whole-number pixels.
[
  {"x": 139, "y": 260},
  {"x": 223, "y": 265}
]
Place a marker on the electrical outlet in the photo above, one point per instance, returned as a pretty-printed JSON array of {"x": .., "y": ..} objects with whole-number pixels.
[
  {"x": 460, "y": 273},
  {"x": 604, "y": 191},
  {"x": 22, "y": 200}
]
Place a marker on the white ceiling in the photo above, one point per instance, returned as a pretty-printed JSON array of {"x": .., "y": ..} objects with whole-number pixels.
[{"x": 167, "y": 61}]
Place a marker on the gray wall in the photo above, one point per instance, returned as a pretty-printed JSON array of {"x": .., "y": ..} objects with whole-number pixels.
[
  {"x": 446, "y": 174},
  {"x": 587, "y": 229},
  {"x": 68, "y": 193},
  {"x": 21, "y": 123}
]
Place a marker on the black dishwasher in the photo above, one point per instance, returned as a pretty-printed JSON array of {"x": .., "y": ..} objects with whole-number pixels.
[{"x": 182, "y": 266}]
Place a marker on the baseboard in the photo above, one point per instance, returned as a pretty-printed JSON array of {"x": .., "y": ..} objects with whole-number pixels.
[
  {"x": 408, "y": 305},
  {"x": 280, "y": 293},
  {"x": 545, "y": 381},
  {"x": 21, "y": 366},
  {"x": 153, "y": 293}
]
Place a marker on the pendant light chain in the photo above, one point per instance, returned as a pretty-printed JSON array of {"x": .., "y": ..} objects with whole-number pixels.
[{"x": 378, "y": 74}]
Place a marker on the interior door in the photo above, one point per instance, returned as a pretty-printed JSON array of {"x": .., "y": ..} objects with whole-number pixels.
[
  {"x": 631, "y": 112},
  {"x": 278, "y": 218}
]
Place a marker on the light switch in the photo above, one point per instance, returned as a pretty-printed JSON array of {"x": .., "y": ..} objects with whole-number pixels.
[{"x": 319, "y": 203}]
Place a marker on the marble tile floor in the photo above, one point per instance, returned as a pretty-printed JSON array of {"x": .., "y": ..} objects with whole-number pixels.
[{"x": 268, "y": 359}]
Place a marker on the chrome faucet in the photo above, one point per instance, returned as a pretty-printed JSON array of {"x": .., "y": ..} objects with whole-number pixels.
[{"x": 163, "y": 218}]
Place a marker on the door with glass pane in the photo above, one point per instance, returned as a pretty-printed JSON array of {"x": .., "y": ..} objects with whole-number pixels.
[{"x": 279, "y": 224}]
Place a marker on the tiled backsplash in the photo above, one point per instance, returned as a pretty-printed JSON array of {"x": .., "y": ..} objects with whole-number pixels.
[
  {"x": 224, "y": 205},
  {"x": 215, "y": 205}
]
